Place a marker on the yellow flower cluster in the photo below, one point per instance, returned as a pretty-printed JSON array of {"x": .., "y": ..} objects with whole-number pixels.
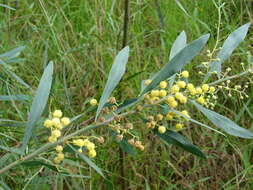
[
  {"x": 90, "y": 146},
  {"x": 176, "y": 96},
  {"x": 60, "y": 156},
  {"x": 56, "y": 123}
]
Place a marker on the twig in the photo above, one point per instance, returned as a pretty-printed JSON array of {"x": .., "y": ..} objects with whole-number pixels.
[
  {"x": 125, "y": 27},
  {"x": 230, "y": 77},
  {"x": 124, "y": 43},
  {"x": 62, "y": 140}
]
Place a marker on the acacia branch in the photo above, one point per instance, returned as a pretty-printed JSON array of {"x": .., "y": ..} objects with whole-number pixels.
[{"x": 60, "y": 141}]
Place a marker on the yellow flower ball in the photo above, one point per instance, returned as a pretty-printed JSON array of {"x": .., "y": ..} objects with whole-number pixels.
[
  {"x": 60, "y": 156},
  {"x": 170, "y": 99},
  {"x": 198, "y": 90},
  {"x": 58, "y": 148},
  {"x": 65, "y": 121},
  {"x": 205, "y": 87},
  {"x": 56, "y": 133},
  {"x": 212, "y": 89},
  {"x": 163, "y": 84},
  {"x": 169, "y": 116},
  {"x": 179, "y": 95},
  {"x": 59, "y": 126},
  {"x": 48, "y": 123},
  {"x": 57, "y": 160},
  {"x": 162, "y": 93},
  {"x": 179, "y": 126},
  {"x": 57, "y": 113},
  {"x": 181, "y": 84},
  {"x": 86, "y": 141},
  {"x": 52, "y": 139},
  {"x": 147, "y": 82},
  {"x": 93, "y": 102},
  {"x": 162, "y": 129},
  {"x": 159, "y": 117},
  {"x": 201, "y": 100},
  {"x": 185, "y": 74},
  {"x": 56, "y": 121},
  {"x": 193, "y": 91},
  {"x": 190, "y": 86},
  {"x": 183, "y": 100},
  {"x": 92, "y": 153},
  {"x": 79, "y": 142},
  {"x": 173, "y": 104},
  {"x": 154, "y": 93},
  {"x": 90, "y": 146},
  {"x": 174, "y": 89}
]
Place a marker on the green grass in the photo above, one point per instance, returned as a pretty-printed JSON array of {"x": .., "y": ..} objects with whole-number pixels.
[{"x": 82, "y": 38}]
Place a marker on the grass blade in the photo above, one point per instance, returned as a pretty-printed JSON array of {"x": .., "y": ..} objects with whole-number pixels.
[
  {"x": 4, "y": 186},
  {"x": 39, "y": 102},
  {"x": 6, "y": 6},
  {"x": 147, "y": 186},
  {"x": 115, "y": 75},
  {"x": 16, "y": 77}
]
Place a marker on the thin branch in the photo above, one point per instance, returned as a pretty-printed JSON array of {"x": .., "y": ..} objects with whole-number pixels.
[
  {"x": 230, "y": 77},
  {"x": 60, "y": 141}
]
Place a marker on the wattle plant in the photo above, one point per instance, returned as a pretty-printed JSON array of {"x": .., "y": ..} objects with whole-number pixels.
[{"x": 164, "y": 105}]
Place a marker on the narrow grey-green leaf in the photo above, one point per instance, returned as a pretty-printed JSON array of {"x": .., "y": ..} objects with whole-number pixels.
[
  {"x": 223, "y": 122},
  {"x": 178, "y": 45},
  {"x": 39, "y": 102},
  {"x": 6, "y": 6},
  {"x": 115, "y": 75},
  {"x": 35, "y": 163},
  {"x": 175, "y": 138},
  {"x": 12, "y": 53},
  {"x": 89, "y": 162},
  {"x": 233, "y": 40},
  {"x": 197, "y": 122},
  {"x": 178, "y": 62},
  {"x": 19, "y": 97},
  {"x": 12, "y": 149}
]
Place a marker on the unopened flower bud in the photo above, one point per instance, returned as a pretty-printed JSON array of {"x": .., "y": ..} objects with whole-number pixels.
[
  {"x": 101, "y": 140},
  {"x": 129, "y": 126},
  {"x": 112, "y": 100},
  {"x": 119, "y": 137},
  {"x": 131, "y": 141}
]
